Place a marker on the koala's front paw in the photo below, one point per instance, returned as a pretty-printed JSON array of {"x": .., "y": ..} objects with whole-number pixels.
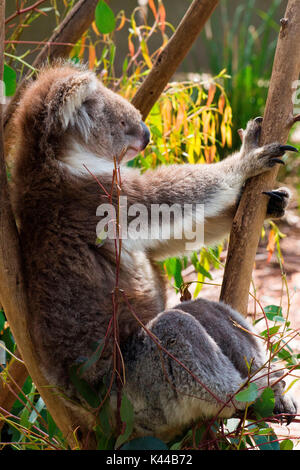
[
  {"x": 285, "y": 407},
  {"x": 267, "y": 156},
  {"x": 257, "y": 159},
  {"x": 251, "y": 135},
  {"x": 278, "y": 202}
]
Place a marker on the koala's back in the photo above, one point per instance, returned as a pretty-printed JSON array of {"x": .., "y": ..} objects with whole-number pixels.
[{"x": 69, "y": 279}]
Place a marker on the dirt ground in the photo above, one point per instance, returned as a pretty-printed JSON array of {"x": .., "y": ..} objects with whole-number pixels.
[{"x": 269, "y": 290}]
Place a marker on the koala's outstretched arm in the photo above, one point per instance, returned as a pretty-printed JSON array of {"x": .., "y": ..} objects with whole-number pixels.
[{"x": 216, "y": 187}]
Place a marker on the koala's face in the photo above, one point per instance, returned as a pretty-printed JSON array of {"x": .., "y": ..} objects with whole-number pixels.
[
  {"x": 96, "y": 119},
  {"x": 117, "y": 128}
]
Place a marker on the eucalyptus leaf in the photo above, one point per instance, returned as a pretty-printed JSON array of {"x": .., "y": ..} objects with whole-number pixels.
[
  {"x": 272, "y": 312},
  {"x": 287, "y": 444},
  {"x": 249, "y": 394},
  {"x": 264, "y": 405},
  {"x": 10, "y": 80},
  {"x": 104, "y": 18},
  {"x": 85, "y": 390},
  {"x": 127, "y": 416},
  {"x": 145, "y": 443}
]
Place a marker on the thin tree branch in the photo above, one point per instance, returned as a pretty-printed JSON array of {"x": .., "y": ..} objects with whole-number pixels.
[
  {"x": 173, "y": 54},
  {"x": 24, "y": 10},
  {"x": 278, "y": 119}
]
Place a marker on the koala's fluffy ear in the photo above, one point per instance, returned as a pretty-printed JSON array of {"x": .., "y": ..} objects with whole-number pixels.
[{"x": 66, "y": 101}]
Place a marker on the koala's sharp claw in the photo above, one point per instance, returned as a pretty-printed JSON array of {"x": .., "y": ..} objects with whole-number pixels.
[
  {"x": 272, "y": 194},
  {"x": 289, "y": 148},
  {"x": 289, "y": 418},
  {"x": 278, "y": 202},
  {"x": 277, "y": 160}
]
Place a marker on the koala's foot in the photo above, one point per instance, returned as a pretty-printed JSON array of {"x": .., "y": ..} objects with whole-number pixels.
[
  {"x": 259, "y": 159},
  {"x": 251, "y": 134},
  {"x": 278, "y": 202},
  {"x": 285, "y": 407}
]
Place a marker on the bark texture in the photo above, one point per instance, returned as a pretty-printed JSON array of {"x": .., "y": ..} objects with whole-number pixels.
[{"x": 278, "y": 119}]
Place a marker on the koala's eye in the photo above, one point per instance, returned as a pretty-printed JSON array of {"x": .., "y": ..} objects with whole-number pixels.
[{"x": 123, "y": 123}]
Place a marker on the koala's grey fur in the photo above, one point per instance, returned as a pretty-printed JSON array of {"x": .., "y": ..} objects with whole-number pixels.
[
  {"x": 67, "y": 119},
  {"x": 212, "y": 341}
]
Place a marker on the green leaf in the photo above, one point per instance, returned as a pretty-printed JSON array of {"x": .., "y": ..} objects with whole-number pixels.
[
  {"x": 104, "y": 419},
  {"x": 85, "y": 390},
  {"x": 38, "y": 408},
  {"x": 203, "y": 271},
  {"x": 52, "y": 428},
  {"x": 145, "y": 443},
  {"x": 104, "y": 18},
  {"x": 264, "y": 405},
  {"x": 270, "y": 331},
  {"x": 265, "y": 442},
  {"x": 2, "y": 320},
  {"x": 249, "y": 394},
  {"x": 25, "y": 391},
  {"x": 287, "y": 444},
  {"x": 174, "y": 268},
  {"x": 8, "y": 339},
  {"x": 99, "y": 345},
  {"x": 273, "y": 313},
  {"x": 127, "y": 416},
  {"x": 10, "y": 80}
]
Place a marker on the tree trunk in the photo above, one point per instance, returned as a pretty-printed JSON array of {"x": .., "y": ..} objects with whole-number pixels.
[{"x": 278, "y": 119}]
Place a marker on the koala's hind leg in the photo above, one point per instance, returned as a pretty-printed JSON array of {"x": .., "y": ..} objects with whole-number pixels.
[
  {"x": 230, "y": 330},
  {"x": 168, "y": 397},
  {"x": 210, "y": 348}
]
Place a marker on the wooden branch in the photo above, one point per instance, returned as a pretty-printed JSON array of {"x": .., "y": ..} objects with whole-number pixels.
[
  {"x": 173, "y": 54},
  {"x": 278, "y": 119},
  {"x": 14, "y": 300},
  {"x": 69, "y": 31}
]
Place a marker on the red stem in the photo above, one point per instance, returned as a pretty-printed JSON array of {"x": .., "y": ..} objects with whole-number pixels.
[{"x": 25, "y": 10}]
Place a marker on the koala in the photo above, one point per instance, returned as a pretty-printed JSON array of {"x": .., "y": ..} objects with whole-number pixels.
[{"x": 71, "y": 132}]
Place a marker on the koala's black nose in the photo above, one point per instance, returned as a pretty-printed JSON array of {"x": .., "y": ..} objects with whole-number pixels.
[{"x": 146, "y": 136}]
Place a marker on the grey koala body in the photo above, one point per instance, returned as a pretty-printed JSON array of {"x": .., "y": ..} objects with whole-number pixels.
[
  {"x": 67, "y": 123},
  {"x": 219, "y": 356}
]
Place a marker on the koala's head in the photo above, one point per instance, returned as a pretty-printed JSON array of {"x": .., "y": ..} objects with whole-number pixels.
[{"x": 72, "y": 111}]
